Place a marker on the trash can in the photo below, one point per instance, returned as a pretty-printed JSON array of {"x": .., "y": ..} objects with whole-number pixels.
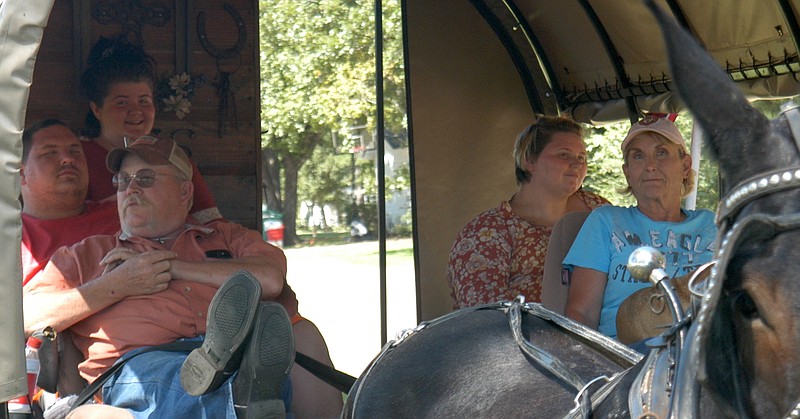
[{"x": 273, "y": 227}]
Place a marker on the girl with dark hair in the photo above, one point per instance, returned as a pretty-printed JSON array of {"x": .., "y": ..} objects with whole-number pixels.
[{"x": 119, "y": 84}]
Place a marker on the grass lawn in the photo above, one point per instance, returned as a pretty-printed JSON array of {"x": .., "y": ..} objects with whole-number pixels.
[{"x": 337, "y": 286}]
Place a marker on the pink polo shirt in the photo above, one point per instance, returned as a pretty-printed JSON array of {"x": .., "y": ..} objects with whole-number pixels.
[{"x": 178, "y": 312}]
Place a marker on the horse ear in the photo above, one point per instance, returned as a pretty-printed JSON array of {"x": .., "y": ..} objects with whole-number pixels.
[{"x": 717, "y": 104}]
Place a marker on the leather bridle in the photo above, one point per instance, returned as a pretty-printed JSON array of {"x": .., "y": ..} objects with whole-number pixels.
[{"x": 733, "y": 232}]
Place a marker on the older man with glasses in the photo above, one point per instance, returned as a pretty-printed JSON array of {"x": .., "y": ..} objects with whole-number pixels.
[{"x": 165, "y": 278}]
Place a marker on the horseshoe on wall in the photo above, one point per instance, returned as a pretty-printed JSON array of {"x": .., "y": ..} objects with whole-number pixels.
[
  {"x": 222, "y": 54},
  {"x": 227, "y": 98},
  {"x": 189, "y": 133}
]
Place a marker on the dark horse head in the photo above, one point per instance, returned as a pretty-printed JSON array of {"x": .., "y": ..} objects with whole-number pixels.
[{"x": 746, "y": 340}]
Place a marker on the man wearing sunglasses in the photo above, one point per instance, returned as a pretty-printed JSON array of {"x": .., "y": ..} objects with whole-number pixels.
[{"x": 161, "y": 279}]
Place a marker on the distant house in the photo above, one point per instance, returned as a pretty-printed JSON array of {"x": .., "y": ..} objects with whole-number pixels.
[
  {"x": 395, "y": 157},
  {"x": 361, "y": 143}
]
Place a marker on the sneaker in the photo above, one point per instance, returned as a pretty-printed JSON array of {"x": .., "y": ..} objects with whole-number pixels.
[
  {"x": 265, "y": 366},
  {"x": 230, "y": 320}
]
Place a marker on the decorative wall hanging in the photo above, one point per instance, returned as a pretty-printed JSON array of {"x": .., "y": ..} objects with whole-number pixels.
[
  {"x": 174, "y": 93},
  {"x": 132, "y": 16},
  {"x": 228, "y": 62}
]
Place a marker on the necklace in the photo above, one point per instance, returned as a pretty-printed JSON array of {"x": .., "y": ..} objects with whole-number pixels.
[{"x": 164, "y": 239}]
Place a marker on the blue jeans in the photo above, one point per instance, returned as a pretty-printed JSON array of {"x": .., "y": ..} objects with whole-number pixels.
[{"x": 149, "y": 386}]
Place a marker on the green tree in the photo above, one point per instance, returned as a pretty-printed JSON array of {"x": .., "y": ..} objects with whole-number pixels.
[
  {"x": 318, "y": 77},
  {"x": 604, "y": 174},
  {"x": 321, "y": 183}
]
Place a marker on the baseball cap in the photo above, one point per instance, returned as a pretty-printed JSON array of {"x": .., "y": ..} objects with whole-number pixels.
[
  {"x": 659, "y": 125},
  {"x": 153, "y": 150}
]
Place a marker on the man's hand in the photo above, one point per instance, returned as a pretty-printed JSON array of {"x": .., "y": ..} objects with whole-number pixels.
[
  {"x": 128, "y": 274},
  {"x": 115, "y": 258},
  {"x": 138, "y": 274}
]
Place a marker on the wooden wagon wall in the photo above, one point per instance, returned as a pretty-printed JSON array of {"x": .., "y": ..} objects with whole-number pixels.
[{"x": 222, "y": 130}]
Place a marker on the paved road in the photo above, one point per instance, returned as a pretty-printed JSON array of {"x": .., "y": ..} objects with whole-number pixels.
[{"x": 342, "y": 299}]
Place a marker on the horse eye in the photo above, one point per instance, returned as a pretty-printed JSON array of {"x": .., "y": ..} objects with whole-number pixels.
[{"x": 744, "y": 304}]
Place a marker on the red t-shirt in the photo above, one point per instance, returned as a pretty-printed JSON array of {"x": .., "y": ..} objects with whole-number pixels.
[
  {"x": 41, "y": 238},
  {"x": 204, "y": 208}
]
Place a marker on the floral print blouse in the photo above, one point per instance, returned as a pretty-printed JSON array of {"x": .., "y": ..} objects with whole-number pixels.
[{"x": 498, "y": 256}]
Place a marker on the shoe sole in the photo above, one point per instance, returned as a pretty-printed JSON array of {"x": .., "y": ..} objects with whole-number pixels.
[
  {"x": 267, "y": 362},
  {"x": 230, "y": 320}
]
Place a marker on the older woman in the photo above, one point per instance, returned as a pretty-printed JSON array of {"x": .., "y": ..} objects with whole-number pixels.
[
  {"x": 500, "y": 253},
  {"x": 659, "y": 174}
]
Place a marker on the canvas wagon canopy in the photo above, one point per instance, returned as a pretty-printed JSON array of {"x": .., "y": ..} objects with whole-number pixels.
[
  {"x": 477, "y": 73},
  {"x": 604, "y": 60}
]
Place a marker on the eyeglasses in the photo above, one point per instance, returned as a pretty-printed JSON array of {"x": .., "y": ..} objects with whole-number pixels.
[{"x": 144, "y": 178}]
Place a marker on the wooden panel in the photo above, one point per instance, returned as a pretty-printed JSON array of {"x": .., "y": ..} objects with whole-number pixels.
[
  {"x": 238, "y": 195},
  {"x": 230, "y": 162},
  {"x": 54, "y": 89}
]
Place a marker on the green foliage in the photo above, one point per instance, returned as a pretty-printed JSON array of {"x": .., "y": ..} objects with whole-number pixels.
[
  {"x": 318, "y": 67},
  {"x": 604, "y": 175},
  {"x": 404, "y": 227},
  {"x": 323, "y": 182},
  {"x": 401, "y": 181},
  {"x": 318, "y": 78}
]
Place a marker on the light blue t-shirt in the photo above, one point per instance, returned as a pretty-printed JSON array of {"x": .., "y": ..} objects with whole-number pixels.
[{"x": 610, "y": 234}]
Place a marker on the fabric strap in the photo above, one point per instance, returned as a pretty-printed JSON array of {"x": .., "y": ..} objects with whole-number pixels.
[
  {"x": 91, "y": 389},
  {"x": 339, "y": 380}
]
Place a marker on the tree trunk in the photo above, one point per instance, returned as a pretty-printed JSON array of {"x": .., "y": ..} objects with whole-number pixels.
[
  {"x": 292, "y": 162},
  {"x": 271, "y": 170},
  {"x": 291, "y": 168},
  {"x": 324, "y": 222}
]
